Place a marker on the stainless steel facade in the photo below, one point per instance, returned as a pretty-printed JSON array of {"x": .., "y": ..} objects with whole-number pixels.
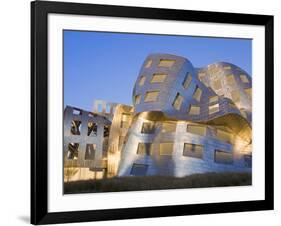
[{"x": 184, "y": 120}]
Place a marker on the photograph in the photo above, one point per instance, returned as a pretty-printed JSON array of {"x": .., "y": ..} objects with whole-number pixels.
[{"x": 154, "y": 111}]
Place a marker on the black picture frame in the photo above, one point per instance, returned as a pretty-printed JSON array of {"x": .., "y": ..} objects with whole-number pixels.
[{"x": 39, "y": 112}]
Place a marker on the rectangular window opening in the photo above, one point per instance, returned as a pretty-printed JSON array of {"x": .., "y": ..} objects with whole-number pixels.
[
  {"x": 194, "y": 110},
  {"x": 148, "y": 127},
  {"x": 178, "y": 101},
  {"x": 148, "y": 64},
  {"x": 72, "y": 151},
  {"x": 187, "y": 80},
  {"x": 197, "y": 94},
  {"x": 158, "y": 78},
  {"x": 139, "y": 169},
  {"x": 144, "y": 149},
  {"x": 92, "y": 129},
  {"x": 214, "y": 108},
  {"x": 90, "y": 152},
  {"x": 193, "y": 150},
  {"x": 151, "y": 96},
  {"x": 166, "y": 63},
  {"x": 141, "y": 80},
  {"x": 223, "y": 157},
  {"x": 75, "y": 127},
  {"x": 137, "y": 99}
]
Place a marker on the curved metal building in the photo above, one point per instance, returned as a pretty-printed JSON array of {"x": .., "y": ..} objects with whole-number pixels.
[
  {"x": 184, "y": 120},
  {"x": 188, "y": 120}
]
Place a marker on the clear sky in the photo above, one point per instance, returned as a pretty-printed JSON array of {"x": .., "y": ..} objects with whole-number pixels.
[{"x": 101, "y": 65}]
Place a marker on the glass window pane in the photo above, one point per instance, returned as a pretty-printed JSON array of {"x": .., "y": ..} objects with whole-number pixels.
[
  {"x": 214, "y": 108},
  {"x": 144, "y": 149},
  {"x": 139, "y": 169},
  {"x": 166, "y": 63},
  {"x": 157, "y": 78},
  {"x": 142, "y": 80},
  {"x": 148, "y": 127},
  {"x": 151, "y": 96},
  {"x": 193, "y": 150}
]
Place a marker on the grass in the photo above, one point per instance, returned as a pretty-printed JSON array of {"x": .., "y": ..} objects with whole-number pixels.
[{"x": 135, "y": 183}]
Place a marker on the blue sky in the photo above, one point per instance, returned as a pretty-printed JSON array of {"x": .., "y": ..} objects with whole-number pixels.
[{"x": 102, "y": 65}]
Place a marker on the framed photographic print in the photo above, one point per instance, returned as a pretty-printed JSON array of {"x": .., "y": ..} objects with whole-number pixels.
[{"x": 144, "y": 112}]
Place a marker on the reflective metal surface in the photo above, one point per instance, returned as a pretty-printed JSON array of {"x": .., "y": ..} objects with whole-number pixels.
[{"x": 184, "y": 120}]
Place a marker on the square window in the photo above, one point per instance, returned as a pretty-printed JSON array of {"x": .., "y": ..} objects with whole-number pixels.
[
  {"x": 223, "y": 157},
  {"x": 197, "y": 94},
  {"x": 137, "y": 99},
  {"x": 139, "y": 169},
  {"x": 166, "y": 148},
  {"x": 148, "y": 63},
  {"x": 75, "y": 127},
  {"x": 144, "y": 149},
  {"x": 141, "y": 80},
  {"x": 72, "y": 152},
  {"x": 151, "y": 96},
  {"x": 106, "y": 130},
  {"x": 166, "y": 63},
  {"x": 193, "y": 150},
  {"x": 214, "y": 108},
  {"x": 178, "y": 101},
  {"x": 187, "y": 80},
  {"x": 148, "y": 127},
  {"x": 244, "y": 78},
  {"x": 92, "y": 129},
  {"x": 158, "y": 78},
  {"x": 194, "y": 110},
  {"x": 199, "y": 130}
]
